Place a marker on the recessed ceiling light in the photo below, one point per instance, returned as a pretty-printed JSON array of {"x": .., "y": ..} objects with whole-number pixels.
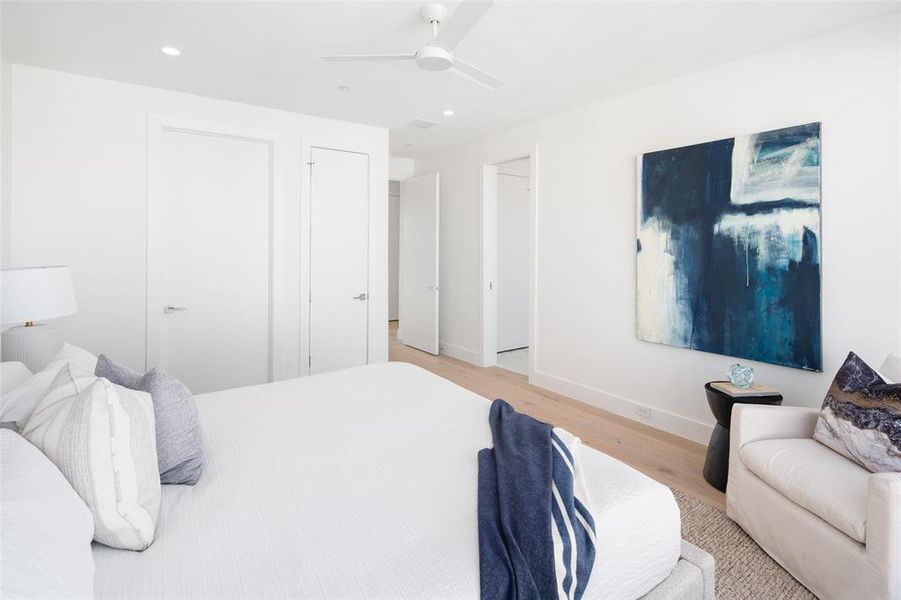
[
  {"x": 448, "y": 113},
  {"x": 343, "y": 88},
  {"x": 170, "y": 50}
]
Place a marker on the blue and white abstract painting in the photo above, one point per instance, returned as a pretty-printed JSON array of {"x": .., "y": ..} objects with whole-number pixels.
[{"x": 729, "y": 247}]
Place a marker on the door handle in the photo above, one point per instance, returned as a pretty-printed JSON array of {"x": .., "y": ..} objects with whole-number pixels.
[
  {"x": 171, "y": 308},
  {"x": 361, "y": 297},
  {"x": 432, "y": 287}
]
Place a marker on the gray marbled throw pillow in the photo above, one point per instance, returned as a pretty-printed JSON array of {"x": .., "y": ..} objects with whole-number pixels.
[
  {"x": 861, "y": 417},
  {"x": 179, "y": 443}
]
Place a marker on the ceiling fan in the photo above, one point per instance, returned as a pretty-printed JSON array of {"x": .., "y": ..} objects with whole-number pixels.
[{"x": 437, "y": 54}]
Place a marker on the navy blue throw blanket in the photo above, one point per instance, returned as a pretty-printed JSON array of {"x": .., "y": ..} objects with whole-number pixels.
[{"x": 536, "y": 535}]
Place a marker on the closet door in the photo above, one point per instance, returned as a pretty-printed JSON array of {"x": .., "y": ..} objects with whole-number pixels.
[
  {"x": 209, "y": 293},
  {"x": 339, "y": 259}
]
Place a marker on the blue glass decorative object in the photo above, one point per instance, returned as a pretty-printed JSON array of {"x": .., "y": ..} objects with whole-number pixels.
[{"x": 741, "y": 376}]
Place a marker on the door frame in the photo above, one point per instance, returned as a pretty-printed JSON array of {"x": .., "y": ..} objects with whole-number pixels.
[
  {"x": 488, "y": 253},
  {"x": 307, "y": 368},
  {"x": 155, "y": 247}
]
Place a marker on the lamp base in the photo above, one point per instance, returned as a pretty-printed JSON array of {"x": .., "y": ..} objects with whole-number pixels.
[{"x": 34, "y": 345}]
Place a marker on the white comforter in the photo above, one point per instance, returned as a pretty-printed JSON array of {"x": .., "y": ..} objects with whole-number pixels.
[{"x": 362, "y": 483}]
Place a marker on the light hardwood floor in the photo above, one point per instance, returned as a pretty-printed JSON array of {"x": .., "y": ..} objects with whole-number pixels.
[{"x": 672, "y": 460}]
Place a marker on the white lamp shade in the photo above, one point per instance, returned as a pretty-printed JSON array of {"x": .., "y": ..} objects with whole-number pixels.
[{"x": 36, "y": 294}]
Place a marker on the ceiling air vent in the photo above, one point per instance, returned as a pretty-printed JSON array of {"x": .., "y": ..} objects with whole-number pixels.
[{"x": 422, "y": 123}]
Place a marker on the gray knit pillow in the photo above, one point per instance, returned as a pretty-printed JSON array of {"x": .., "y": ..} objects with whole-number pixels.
[
  {"x": 179, "y": 443},
  {"x": 118, "y": 374}
]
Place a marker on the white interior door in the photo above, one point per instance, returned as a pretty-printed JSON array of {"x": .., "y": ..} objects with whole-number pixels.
[
  {"x": 512, "y": 262},
  {"x": 214, "y": 196},
  {"x": 339, "y": 260},
  {"x": 419, "y": 262}
]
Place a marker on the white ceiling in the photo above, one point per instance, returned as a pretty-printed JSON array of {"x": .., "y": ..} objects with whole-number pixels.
[{"x": 554, "y": 55}]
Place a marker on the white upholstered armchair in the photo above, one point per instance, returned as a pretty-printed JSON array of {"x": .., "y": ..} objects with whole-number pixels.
[{"x": 835, "y": 526}]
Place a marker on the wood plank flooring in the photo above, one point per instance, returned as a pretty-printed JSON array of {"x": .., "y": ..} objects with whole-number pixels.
[{"x": 670, "y": 459}]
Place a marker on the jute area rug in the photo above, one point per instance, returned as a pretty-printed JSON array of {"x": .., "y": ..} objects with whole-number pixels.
[{"x": 743, "y": 570}]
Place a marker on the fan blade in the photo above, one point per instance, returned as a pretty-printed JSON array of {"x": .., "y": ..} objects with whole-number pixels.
[
  {"x": 466, "y": 15},
  {"x": 473, "y": 73},
  {"x": 369, "y": 57}
]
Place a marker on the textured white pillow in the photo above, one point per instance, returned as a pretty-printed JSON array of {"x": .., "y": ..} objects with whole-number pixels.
[
  {"x": 12, "y": 373},
  {"x": 103, "y": 439},
  {"x": 891, "y": 368},
  {"x": 81, "y": 360},
  {"x": 47, "y": 529},
  {"x": 17, "y": 404}
]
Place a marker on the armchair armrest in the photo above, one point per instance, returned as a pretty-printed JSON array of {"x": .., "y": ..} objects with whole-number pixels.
[
  {"x": 751, "y": 422},
  {"x": 884, "y": 536}
]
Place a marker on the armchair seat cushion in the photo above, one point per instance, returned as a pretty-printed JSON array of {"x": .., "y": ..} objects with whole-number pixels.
[{"x": 816, "y": 478}]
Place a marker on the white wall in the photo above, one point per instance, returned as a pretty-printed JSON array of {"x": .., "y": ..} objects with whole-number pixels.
[
  {"x": 513, "y": 215},
  {"x": 5, "y": 130},
  {"x": 400, "y": 168},
  {"x": 79, "y": 196},
  {"x": 585, "y": 344}
]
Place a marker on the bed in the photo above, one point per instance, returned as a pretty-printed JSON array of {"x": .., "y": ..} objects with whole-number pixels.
[{"x": 362, "y": 483}]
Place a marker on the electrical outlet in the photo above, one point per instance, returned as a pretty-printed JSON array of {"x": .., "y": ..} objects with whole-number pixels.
[{"x": 644, "y": 412}]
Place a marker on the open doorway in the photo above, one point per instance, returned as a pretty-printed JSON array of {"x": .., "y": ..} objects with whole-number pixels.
[
  {"x": 512, "y": 283},
  {"x": 508, "y": 263},
  {"x": 393, "y": 251}
]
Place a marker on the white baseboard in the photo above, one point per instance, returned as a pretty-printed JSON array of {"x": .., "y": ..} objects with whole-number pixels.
[
  {"x": 460, "y": 353},
  {"x": 660, "y": 419}
]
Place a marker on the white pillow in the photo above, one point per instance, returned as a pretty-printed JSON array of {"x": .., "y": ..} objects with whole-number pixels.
[
  {"x": 890, "y": 370},
  {"x": 47, "y": 529},
  {"x": 103, "y": 438},
  {"x": 12, "y": 373},
  {"x": 17, "y": 404},
  {"x": 83, "y": 361}
]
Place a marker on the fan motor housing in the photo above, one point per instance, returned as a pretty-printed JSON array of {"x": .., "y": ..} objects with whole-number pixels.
[{"x": 434, "y": 58}]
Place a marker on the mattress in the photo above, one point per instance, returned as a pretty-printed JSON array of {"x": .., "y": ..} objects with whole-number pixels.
[{"x": 362, "y": 484}]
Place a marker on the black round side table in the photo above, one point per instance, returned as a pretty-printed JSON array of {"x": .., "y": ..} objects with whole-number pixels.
[{"x": 716, "y": 466}]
